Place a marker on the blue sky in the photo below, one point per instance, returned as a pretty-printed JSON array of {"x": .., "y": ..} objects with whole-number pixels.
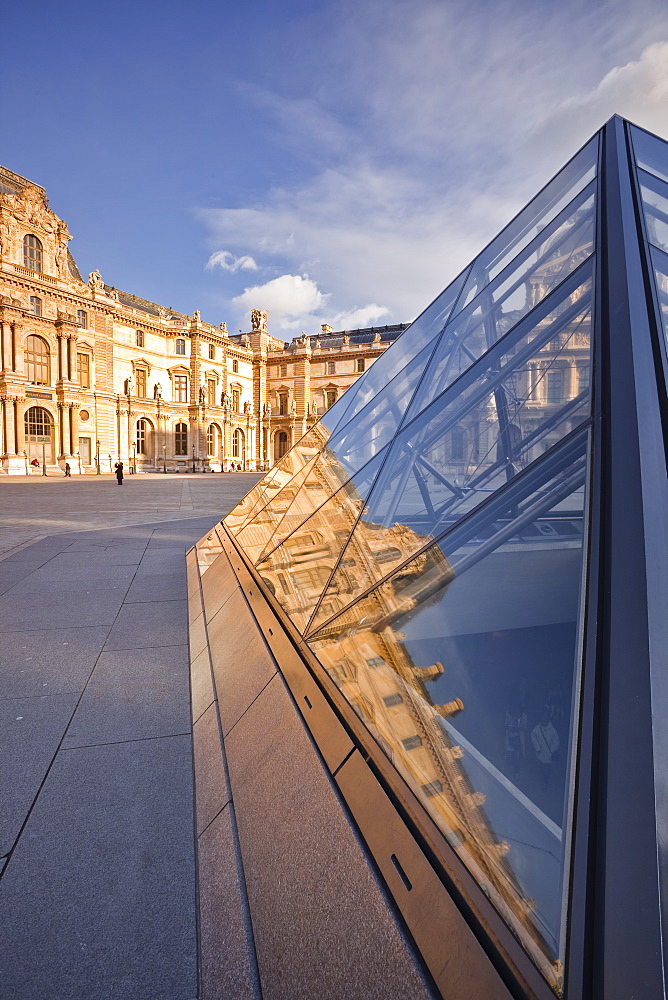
[{"x": 330, "y": 162}]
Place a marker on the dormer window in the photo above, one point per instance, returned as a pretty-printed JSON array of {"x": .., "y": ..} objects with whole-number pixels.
[
  {"x": 180, "y": 347},
  {"x": 32, "y": 253}
]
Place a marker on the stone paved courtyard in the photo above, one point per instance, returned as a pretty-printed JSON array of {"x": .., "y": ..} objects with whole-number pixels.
[{"x": 97, "y": 864}]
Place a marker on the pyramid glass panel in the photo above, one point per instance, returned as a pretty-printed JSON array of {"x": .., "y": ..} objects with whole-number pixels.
[
  {"x": 277, "y": 478},
  {"x": 464, "y": 665},
  {"x": 256, "y": 533},
  {"x": 503, "y": 303},
  {"x": 651, "y": 153},
  {"x": 298, "y": 570},
  {"x": 423, "y": 331},
  {"x": 374, "y": 426},
  {"x": 538, "y": 225},
  {"x": 526, "y": 394},
  {"x": 655, "y": 203},
  {"x": 660, "y": 261}
]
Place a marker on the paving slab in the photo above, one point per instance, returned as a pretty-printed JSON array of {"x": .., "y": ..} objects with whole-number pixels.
[
  {"x": 134, "y": 694},
  {"x": 99, "y": 896},
  {"x": 156, "y": 623},
  {"x": 59, "y": 610},
  {"x": 49, "y": 661},
  {"x": 30, "y": 732}
]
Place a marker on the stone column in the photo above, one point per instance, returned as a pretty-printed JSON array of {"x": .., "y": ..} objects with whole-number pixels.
[
  {"x": 65, "y": 430},
  {"x": 9, "y": 443},
  {"x": 6, "y": 332},
  {"x": 17, "y": 356},
  {"x": 71, "y": 360},
  {"x": 74, "y": 428}
]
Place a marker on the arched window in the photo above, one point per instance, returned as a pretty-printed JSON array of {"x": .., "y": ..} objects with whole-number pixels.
[
  {"x": 82, "y": 319},
  {"x": 32, "y": 253},
  {"x": 181, "y": 439},
  {"x": 38, "y": 423},
  {"x": 37, "y": 361},
  {"x": 238, "y": 444},
  {"x": 180, "y": 347},
  {"x": 280, "y": 445},
  {"x": 142, "y": 433},
  {"x": 212, "y": 435},
  {"x": 139, "y": 339},
  {"x": 35, "y": 305}
]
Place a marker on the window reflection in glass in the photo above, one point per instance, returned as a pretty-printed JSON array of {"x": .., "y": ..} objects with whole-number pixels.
[{"x": 464, "y": 665}]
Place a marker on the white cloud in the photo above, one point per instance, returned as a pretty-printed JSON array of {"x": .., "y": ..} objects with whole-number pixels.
[
  {"x": 356, "y": 319},
  {"x": 228, "y": 262},
  {"x": 290, "y": 300}
]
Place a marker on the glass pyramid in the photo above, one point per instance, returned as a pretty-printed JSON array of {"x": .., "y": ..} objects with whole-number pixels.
[{"x": 429, "y": 536}]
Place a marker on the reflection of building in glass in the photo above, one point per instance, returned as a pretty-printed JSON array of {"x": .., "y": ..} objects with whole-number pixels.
[{"x": 452, "y": 542}]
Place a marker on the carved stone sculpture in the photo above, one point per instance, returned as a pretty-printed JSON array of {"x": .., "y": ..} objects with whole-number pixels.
[{"x": 259, "y": 320}]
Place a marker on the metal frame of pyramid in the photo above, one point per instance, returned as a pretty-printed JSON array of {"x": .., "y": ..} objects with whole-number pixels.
[{"x": 467, "y": 555}]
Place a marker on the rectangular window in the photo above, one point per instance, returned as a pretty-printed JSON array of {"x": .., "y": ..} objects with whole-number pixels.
[
  {"x": 282, "y": 404},
  {"x": 235, "y": 366},
  {"x": 393, "y": 699},
  {"x": 583, "y": 378},
  {"x": 236, "y": 400},
  {"x": 331, "y": 368},
  {"x": 554, "y": 386},
  {"x": 83, "y": 370},
  {"x": 361, "y": 364},
  {"x": 432, "y": 788},
  {"x": 82, "y": 319},
  {"x": 181, "y": 388},
  {"x": 412, "y": 743},
  {"x": 139, "y": 338},
  {"x": 375, "y": 661},
  {"x": 35, "y": 305},
  {"x": 330, "y": 398},
  {"x": 283, "y": 371},
  {"x": 211, "y": 393},
  {"x": 140, "y": 380}
]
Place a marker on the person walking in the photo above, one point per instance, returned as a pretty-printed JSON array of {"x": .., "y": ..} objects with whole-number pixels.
[
  {"x": 119, "y": 473},
  {"x": 68, "y": 472}
]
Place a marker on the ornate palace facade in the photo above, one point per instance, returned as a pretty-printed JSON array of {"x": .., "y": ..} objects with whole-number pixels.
[{"x": 91, "y": 374}]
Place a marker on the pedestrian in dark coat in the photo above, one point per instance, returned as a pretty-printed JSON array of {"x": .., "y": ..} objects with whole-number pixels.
[
  {"x": 119, "y": 473},
  {"x": 68, "y": 472}
]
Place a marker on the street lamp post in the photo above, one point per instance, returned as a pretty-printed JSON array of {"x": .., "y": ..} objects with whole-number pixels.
[
  {"x": 134, "y": 459},
  {"x": 110, "y": 464},
  {"x": 193, "y": 458},
  {"x": 43, "y": 459},
  {"x": 97, "y": 457},
  {"x": 164, "y": 459}
]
